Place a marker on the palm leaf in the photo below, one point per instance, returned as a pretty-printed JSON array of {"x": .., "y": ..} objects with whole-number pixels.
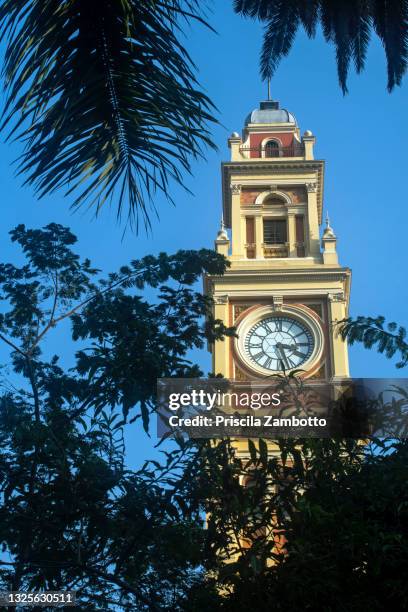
[
  {"x": 279, "y": 35},
  {"x": 105, "y": 98},
  {"x": 390, "y": 19},
  {"x": 346, "y": 24},
  {"x": 335, "y": 18},
  {"x": 360, "y": 26}
]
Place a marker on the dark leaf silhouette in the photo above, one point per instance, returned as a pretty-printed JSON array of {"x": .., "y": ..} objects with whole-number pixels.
[
  {"x": 347, "y": 24},
  {"x": 104, "y": 97},
  {"x": 389, "y": 339}
]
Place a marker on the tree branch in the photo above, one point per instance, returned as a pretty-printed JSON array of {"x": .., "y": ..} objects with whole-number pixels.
[
  {"x": 51, "y": 322},
  {"x": 92, "y": 297},
  {"x": 123, "y": 585},
  {"x": 13, "y": 346}
]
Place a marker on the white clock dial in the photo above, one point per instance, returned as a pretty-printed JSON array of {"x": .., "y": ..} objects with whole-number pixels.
[{"x": 279, "y": 343}]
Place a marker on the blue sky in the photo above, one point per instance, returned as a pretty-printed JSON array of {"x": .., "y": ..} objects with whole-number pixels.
[{"x": 361, "y": 136}]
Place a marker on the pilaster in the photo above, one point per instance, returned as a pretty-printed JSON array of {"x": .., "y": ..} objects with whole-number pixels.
[
  {"x": 339, "y": 353},
  {"x": 313, "y": 220},
  {"x": 292, "y": 234},
  {"x": 258, "y": 237},
  {"x": 221, "y": 350},
  {"x": 236, "y": 223}
]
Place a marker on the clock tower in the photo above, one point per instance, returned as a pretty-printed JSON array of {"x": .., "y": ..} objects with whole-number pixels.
[{"x": 285, "y": 289}]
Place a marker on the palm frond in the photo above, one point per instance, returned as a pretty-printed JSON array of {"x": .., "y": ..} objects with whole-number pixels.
[
  {"x": 254, "y": 8},
  {"x": 360, "y": 29},
  {"x": 335, "y": 18},
  {"x": 279, "y": 35},
  {"x": 309, "y": 15},
  {"x": 390, "y": 20},
  {"x": 105, "y": 98},
  {"x": 346, "y": 24}
]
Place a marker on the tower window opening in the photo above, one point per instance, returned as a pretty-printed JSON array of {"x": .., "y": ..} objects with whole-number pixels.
[
  {"x": 272, "y": 149},
  {"x": 250, "y": 237},
  {"x": 300, "y": 236},
  {"x": 275, "y": 231},
  {"x": 274, "y": 200}
]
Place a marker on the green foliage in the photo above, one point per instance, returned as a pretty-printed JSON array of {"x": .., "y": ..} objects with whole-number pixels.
[
  {"x": 104, "y": 97},
  {"x": 133, "y": 342},
  {"x": 389, "y": 339},
  {"x": 72, "y": 515},
  {"x": 347, "y": 24},
  {"x": 198, "y": 529},
  {"x": 342, "y": 509},
  {"x": 346, "y": 546}
]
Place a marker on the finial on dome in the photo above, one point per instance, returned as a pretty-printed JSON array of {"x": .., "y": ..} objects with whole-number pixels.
[
  {"x": 328, "y": 231},
  {"x": 329, "y": 242},
  {"x": 222, "y": 233}
]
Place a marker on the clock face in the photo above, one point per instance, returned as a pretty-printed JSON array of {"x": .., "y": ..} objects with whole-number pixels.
[{"x": 278, "y": 343}]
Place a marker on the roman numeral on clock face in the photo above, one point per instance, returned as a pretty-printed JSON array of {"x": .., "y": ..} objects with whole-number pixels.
[
  {"x": 254, "y": 342},
  {"x": 267, "y": 363}
]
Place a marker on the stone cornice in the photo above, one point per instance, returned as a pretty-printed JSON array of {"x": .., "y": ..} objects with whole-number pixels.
[
  {"x": 238, "y": 277},
  {"x": 287, "y": 276}
]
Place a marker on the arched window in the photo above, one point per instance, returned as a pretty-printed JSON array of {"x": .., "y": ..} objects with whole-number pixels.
[
  {"x": 273, "y": 200},
  {"x": 272, "y": 149}
]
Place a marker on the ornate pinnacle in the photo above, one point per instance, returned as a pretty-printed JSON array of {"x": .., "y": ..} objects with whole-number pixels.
[
  {"x": 222, "y": 233},
  {"x": 328, "y": 230}
]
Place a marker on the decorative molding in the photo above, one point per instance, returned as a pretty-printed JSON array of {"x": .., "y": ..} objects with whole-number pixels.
[
  {"x": 300, "y": 296},
  {"x": 320, "y": 374},
  {"x": 272, "y": 167},
  {"x": 311, "y": 187},
  {"x": 317, "y": 308},
  {"x": 235, "y": 189},
  {"x": 220, "y": 299},
  {"x": 273, "y": 187},
  {"x": 257, "y": 209},
  {"x": 280, "y": 276},
  {"x": 276, "y": 252},
  {"x": 239, "y": 374},
  {"x": 263, "y": 195},
  {"x": 277, "y": 301},
  {"x": 336, "y": 297},
  {"x": 239, "y": 309}
]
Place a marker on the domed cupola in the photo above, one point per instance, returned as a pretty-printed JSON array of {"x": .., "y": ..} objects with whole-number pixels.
[
  {"x": 270, "y": 113},
  {"x": 270, "y": 133}
]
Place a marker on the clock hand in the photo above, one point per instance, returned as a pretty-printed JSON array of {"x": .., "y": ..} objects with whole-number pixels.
[
  {"x": 284, "y": 359},
  {"x": 292, "y": 347}
]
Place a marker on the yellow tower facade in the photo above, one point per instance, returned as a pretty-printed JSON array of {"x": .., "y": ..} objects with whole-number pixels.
[{"x": 285, "y": 289}]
